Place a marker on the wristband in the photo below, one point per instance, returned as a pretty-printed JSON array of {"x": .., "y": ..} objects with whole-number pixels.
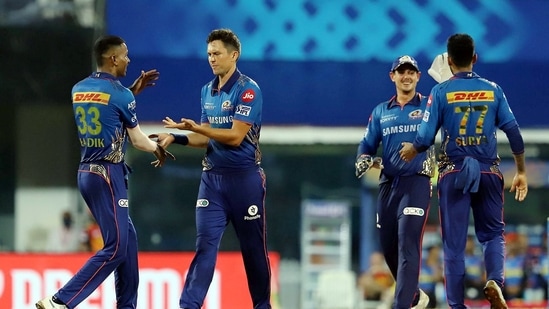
[{"x": 180, "y": 139}]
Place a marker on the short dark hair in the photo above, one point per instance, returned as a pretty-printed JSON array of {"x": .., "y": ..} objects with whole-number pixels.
[
  {"x": 104, "y": 44},
  {"x": 461, "y": 48},
  {"x": 227, "y": 36}
]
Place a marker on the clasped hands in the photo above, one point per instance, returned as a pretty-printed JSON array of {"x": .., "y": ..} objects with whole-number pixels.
[{"x": 164, "y": 139}]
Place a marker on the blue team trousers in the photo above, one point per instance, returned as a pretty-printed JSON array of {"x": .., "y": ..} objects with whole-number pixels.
[
  {"x": 455, "y": 206},
  {"x": 402, "y": 210},
  {"x": 236, "y": 197},
  {"x": 105, "y": 192}
]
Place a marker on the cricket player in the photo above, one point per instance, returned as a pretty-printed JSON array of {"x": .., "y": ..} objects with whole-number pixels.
[
  {"x": 404, "y": 189},
  {"x": 468, "y": 109},
  {"x": 232, "y": 188},
  {"x": 105, "y": 116}
]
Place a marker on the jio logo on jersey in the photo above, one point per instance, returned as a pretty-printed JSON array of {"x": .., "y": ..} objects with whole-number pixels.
[{"x": 248, "y": 96}]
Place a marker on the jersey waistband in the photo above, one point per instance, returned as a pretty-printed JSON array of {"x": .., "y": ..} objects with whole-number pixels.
[{"x": 233, "y": 171}]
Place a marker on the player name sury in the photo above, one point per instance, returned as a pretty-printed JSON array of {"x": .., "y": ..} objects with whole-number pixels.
[
  {"x": 471, "y": 140},
  {"x": 400, "y": 129},
  {"x": 92, "y": 142}
]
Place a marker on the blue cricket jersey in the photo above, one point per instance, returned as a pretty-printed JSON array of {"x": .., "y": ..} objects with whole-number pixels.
[
  {"x": 103, "y": 109},
  {"x": 468, "y": 109},
  {"x": 239, "y": 99},
  {"x": 391, "y": 125}
]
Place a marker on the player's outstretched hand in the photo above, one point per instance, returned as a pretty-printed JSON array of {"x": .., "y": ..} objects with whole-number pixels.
[
  {"x": 185, "y": 124},
  {"x": 161, "y": 154},
  {"x": 440, "y": 70},
  {"x": 144, "y": 80}
]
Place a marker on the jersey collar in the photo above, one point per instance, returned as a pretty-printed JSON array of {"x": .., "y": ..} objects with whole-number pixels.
[
  {"x": 466, "y": 75},
  {"x": 227, "y": 87},
  {"x": 416, "y": 100},
  {"x": 103, "y": 75}
]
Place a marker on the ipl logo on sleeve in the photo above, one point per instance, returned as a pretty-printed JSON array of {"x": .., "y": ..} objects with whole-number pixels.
[{"x": 243, "y": 110}]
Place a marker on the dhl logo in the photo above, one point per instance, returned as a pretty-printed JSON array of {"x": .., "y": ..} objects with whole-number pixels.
[
  {"x": 91, "y": 97},
  {"x": 477, "y": 96}
]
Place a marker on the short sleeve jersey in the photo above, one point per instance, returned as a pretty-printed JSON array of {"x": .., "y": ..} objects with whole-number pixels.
[
  {"x": 391, "y": 125},
  {"x": 103, "y": 109},
  {"x": 239, "y": 99},
  {"x": 468, "y": 109}
]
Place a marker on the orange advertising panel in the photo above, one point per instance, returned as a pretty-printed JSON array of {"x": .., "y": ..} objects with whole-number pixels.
[{"x": 26, "y": 278}]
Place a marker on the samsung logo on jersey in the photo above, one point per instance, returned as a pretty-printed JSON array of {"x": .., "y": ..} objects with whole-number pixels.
[
  {"x": 220, "y": 119},
  {"x": 400, "y": 129}
]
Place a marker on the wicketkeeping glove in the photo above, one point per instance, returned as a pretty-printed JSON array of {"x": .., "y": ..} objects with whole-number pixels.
[
  {"x": 440, "y": 70},
  {"x": 161, "y": 154},
  {"x": 363, "y": 164}
]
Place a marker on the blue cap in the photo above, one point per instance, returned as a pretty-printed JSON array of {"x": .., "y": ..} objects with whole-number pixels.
[{"x": 403, "y": 60}]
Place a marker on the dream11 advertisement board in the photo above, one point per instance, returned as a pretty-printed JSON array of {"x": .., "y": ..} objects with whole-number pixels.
[{"x": 27, "y": 278}]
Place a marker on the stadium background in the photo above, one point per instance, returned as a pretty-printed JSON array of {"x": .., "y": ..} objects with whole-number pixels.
[{"x": 321, "y": 64}]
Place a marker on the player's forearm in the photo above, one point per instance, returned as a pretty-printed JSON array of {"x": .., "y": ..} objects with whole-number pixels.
[
  {"x": 144, "y": 144},
  {"x": 140, "y": 140},
  {"x": 197, "y": 140},
  {"x": 520, "y": 163},
  {"x": 515, "y": 137}
]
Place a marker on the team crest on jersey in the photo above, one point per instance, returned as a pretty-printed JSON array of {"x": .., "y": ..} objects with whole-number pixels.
[
  {"x": 227, "y": 105},
  {"x": 248, "y": 96},
  {"x": 417, "y": 114},
  {"x": 243, "y": 110}
]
